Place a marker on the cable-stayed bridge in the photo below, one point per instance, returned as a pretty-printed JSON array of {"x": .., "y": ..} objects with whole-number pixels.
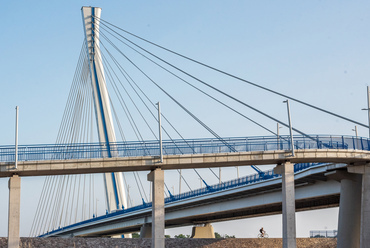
[{"x": 76, "y": 152}]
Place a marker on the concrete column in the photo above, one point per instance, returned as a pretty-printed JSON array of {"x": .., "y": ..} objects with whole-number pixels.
[
  {"x": 288, "y": 201},
  {"x": 349, "y": 213},
  {"x": 365, "y": 202},
  {"x": 14, "y": 211},
  {"x": 365, "y": 208},
  {"x": 157, "y": 178},
  {"x": 349, "y": 219}
]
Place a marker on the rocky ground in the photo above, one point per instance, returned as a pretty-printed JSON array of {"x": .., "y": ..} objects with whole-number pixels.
[{"x": 172, "y": 242}]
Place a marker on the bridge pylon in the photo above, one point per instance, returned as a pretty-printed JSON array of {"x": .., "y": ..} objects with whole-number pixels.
[{"x": 114, "y": 187}]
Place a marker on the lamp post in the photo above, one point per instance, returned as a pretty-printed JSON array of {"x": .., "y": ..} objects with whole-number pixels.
[
  {"x": 290, "y": 126},
  {"x": 356, "y": 136},
  {"x": 356, "y": 133},
  {"x": 160, "y": 132},
  {"x": 368, "y": 107},
  {"x": 16, "y": 137},
  {"x": 278, "y": 135},
  {"x": 180, "y": 182}
]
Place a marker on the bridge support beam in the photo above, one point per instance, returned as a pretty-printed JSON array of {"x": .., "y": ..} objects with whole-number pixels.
[
  {"x": 157, "y": 178},
  {"x": 14, "y": 211},
  {"x": 349, "y": 219},
  {"x": 288, "y": 201}
]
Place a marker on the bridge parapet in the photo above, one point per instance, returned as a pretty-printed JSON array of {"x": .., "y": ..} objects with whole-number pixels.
[{"x": 180, "y": 147}]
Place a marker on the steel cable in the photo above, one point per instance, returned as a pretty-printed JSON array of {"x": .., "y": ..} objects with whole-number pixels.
[{"x": 238, "y": 78}]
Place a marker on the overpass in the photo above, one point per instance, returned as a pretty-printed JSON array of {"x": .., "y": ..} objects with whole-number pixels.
[{"x": 354, "y": 188}]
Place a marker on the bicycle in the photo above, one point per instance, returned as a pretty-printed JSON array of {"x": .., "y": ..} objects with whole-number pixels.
[{"x": 261, "y": 236}]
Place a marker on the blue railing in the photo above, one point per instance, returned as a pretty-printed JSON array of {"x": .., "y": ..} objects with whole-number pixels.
[
  {"x": 254, "y": 178},
  {"x": 175, "y": 147}
]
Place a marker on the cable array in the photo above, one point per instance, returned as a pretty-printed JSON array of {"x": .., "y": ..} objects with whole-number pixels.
[
  {"x": 106, "y": 23},
  {"x": 134, "y": 89},
  {"x": 70, "y": 198}
]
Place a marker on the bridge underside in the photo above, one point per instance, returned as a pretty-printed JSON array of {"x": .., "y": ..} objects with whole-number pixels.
[
  {"x": 313, "y": 191},
  {"x": 271, "y": 209},
  {"x": 258, "y": 211}
]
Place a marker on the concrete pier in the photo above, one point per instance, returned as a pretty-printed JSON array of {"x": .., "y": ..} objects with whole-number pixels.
[
  {"x": 349, "y": 213},
  {"x": 14, "y": 211},
  {"x": 365, "y": 208},
  {"x": 349, "y": 219},
  {"x": 157, "y": 178},
  {"x": 288, "y": 202},
  {"x": 364, "y": 170}
]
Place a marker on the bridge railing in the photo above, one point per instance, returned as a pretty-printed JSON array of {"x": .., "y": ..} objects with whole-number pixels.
[
  {"x": 324, "y": 234},
  {"x": 177, "y": 147}
]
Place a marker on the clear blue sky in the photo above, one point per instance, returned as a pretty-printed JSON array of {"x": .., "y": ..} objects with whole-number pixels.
[{"x": 317, "y": 51}]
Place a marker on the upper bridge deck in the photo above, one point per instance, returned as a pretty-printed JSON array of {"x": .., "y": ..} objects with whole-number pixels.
[{"x": 38, "y": 160}]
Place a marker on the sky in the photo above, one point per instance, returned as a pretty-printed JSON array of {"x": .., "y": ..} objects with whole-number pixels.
[{"x": 315, "y": 51}]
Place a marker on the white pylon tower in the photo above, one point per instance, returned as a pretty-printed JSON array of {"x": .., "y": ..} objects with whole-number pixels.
[{"x": 114, "y": 187}]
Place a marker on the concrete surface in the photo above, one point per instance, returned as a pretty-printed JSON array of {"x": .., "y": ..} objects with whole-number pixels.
[
  {"x": 186, "y": 161},
  {"x": 14, "y": 211}
]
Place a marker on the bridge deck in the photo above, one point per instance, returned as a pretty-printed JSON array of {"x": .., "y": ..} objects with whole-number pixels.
[
  {"x": 202, "y": 153},
  {"x": 180, "y": 147},
  {"x": 84, "y": 166}
]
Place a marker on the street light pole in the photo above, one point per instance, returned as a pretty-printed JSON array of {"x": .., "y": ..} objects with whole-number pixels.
[
  {"x": 180, "y": 182},
  {"x": 355, "y": 132},
  {"x": 16, "y": 137},
  {"x": 368, "y": 107},
  {"x": 356, "y": 146},
  {"x": 160, "y": 132},
  {"x": 290, "y": 126},
  {"x": 278, "y": 136}
]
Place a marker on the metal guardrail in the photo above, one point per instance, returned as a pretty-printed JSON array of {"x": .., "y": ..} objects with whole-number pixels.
[
  {"x": 324, "y": 234},
  {"x": 176, "y": 147},
  {"x": 254, "y": 178}
]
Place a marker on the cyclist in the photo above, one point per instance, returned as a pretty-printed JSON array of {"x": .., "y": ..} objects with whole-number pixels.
[{"x": 262, "y": 232}]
